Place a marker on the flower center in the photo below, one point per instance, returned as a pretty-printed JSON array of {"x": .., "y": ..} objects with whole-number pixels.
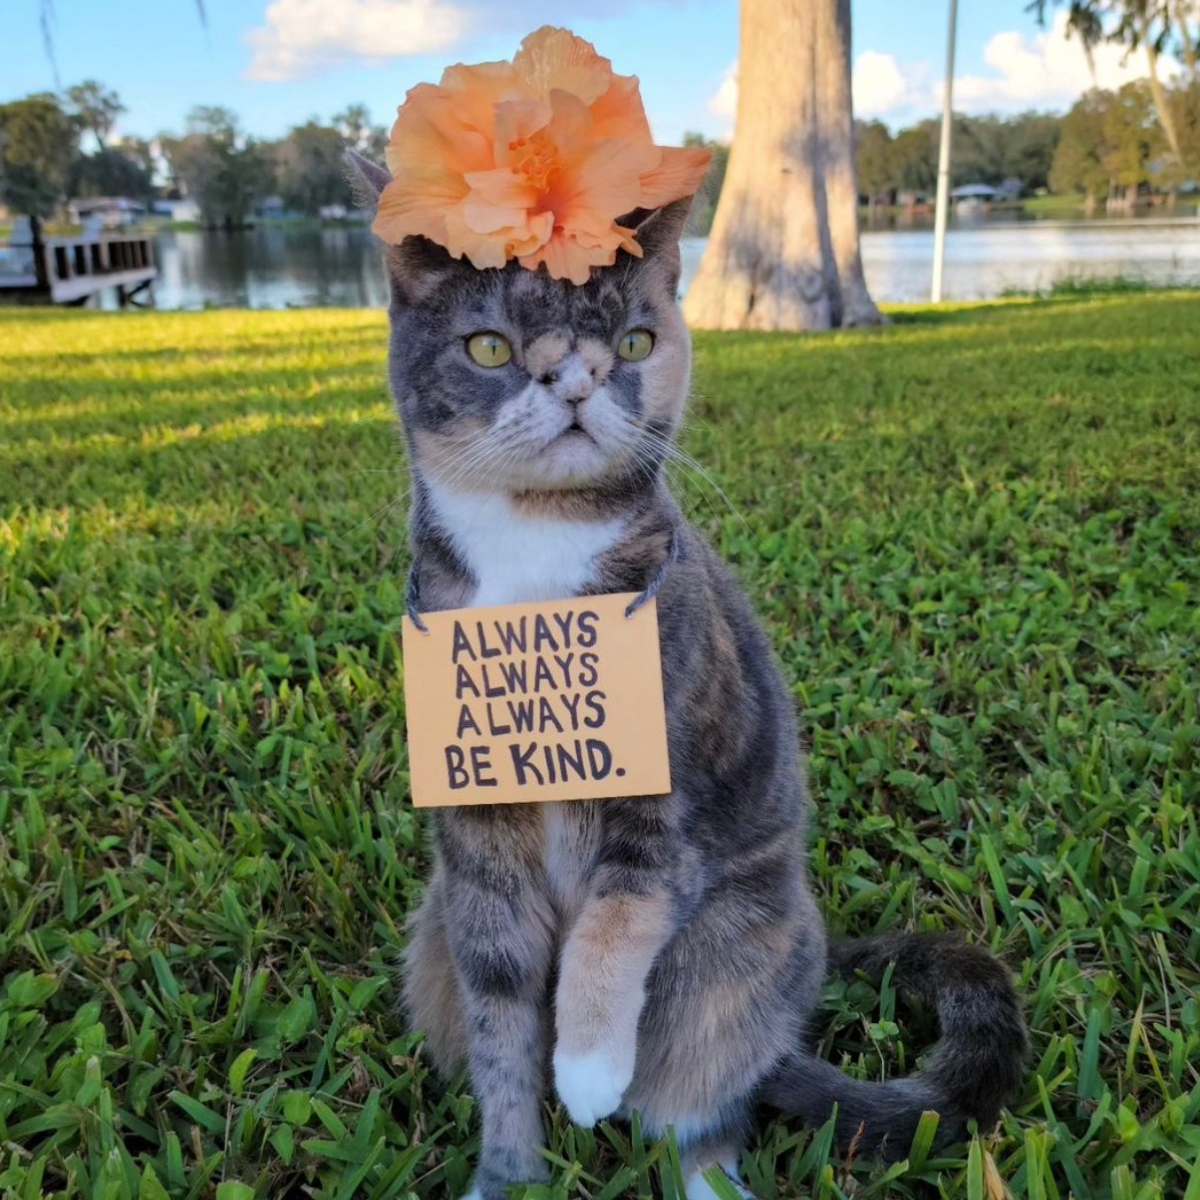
[{"x": 537, "y": 159}]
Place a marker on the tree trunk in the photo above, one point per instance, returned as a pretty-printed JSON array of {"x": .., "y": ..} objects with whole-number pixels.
[
  {"x": 784, "y": 252},
  {"x": 835, "y": 111},
  {"x": 1182, "y": 13},
  {"x": 1165, "y": 117}
]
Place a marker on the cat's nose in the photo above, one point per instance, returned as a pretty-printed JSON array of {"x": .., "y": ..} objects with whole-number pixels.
[{"x": 572, "y": 380}]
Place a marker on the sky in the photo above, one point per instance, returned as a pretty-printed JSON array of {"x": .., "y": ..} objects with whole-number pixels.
[{"x": 279, "y": 62}]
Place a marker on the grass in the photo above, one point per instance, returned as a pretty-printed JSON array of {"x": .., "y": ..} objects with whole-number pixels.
[
  {"x": 975, "y": 538},
  {"x": 1063, "y": 207},
  {"x": 1081, "y": 287}
]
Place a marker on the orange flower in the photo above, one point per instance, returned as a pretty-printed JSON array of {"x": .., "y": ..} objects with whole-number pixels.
[{"x": 534, "y": 160}]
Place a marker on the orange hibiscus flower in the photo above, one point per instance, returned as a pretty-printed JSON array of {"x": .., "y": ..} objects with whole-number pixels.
[{"x": 534, "y": 160}]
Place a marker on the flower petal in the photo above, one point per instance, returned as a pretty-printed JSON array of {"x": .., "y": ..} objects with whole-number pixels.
[
  {"x": 495, "y": 248},
  {"x": 502, "y": 187},
  {"x": 564, "y": 259},
  {"x": 603, "y": 181},
  {"x": 679, "y": 174},
  {"x": 533, "y": 160},
  {"x": 430, "y": 134},
  {"x": 619, "y": 112},
  {"x": 481, "y": 249},
  {"x": 476, "y": 90},
  {"x": 417, "y": 205},
  {"x": 517, "y": 121},
  {"x": 555, "y": 58}
]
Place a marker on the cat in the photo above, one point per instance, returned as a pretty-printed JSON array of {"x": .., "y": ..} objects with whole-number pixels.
[{"x": 659, "y": 954}]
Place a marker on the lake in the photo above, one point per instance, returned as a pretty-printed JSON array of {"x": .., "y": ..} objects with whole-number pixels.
[{"x": 282, "y": 266}]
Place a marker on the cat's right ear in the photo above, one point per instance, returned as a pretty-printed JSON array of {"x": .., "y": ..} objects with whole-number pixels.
[
  {"x": 416, "y": 269},
  {"x": 368, "y": 179},
  {"x": 416, "y": 265}
]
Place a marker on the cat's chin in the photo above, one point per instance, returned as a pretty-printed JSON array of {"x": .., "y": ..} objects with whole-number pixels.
[{"x": 574, "y": 459}]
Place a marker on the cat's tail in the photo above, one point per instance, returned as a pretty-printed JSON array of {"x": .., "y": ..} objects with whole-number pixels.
[{"x": 972, "y": 1070}]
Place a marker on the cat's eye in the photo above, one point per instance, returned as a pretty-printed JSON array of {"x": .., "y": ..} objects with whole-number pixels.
[
  {"x": 636, "y": 345},
  {"x": 489, "y": 349}
]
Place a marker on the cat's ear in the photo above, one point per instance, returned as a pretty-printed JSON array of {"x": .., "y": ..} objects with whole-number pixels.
[
  {"x": 659, "y": 233},
  {"x": 416, "y": 268},
  {"x": 368, "y": 179},
  {"x": 416, "y": 265}
]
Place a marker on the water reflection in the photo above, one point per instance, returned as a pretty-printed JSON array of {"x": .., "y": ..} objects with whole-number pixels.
[
  {"x": 984, "y": 261},
  {"x": 282, "y": 266},
  {"x": 271, "y": 267}
]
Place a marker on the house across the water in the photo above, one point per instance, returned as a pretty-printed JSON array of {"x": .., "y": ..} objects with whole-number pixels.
[{"x": 112, "y": 212}]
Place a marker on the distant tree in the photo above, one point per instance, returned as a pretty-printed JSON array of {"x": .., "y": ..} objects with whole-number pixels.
[
  {"x": 1079, "y": 161},
  {"x": 377, "y": 142},
  {"x": 1031, "y": 141},
  {"x": 1132, "y": 138},
  {"x": 915, "y": 153},
  {"x": 96, "y": 109},
  {"x": 140, "y": 151},
  {"x": 218, "y": 167},
  {"x": 1108, "y": 145},
  {"x": 979, "y": 150},
  {"x": 109, "y": 172},
  {"x": 705, "y": 205},
  {"x": 874, "y": 157},
  {"x": 38, "y": 142},
  {"x": 1153, "y": 26},
  {"x": 311, "y": 168},
  {"x": 987, "y": 149},
  {"x": 1184, "y": 100},
  {"x": 354, "y": 124}
]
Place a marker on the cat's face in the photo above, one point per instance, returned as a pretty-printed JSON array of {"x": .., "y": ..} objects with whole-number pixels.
[{"x": 509, "y": 381}]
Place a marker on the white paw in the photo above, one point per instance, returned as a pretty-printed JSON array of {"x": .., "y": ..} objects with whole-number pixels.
[
  {"x": 698, "y": 1188},
  {"x": 473, "y": 1194},
  {"x": 590, "y": 1085}
]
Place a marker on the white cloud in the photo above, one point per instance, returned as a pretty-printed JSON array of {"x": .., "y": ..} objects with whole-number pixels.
[
  {"x": 1047, "y": 70},
  {"x": 1042, "y": 70},
  {"x": 879, "y": 83},
  {"x": 302, "y": 37},
  {"x": 723, "y": 102}
]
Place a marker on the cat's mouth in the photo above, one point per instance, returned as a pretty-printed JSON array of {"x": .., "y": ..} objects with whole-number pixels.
[
  {"x": 573, "y": 432},
  {"x": 572, "y": 456}
]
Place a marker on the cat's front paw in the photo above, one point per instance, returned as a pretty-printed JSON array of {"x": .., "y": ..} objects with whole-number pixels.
[
  {"x": 591, "y": 1085},
  {"x": 696, "y": 1187},
  {"x": 500, "y": 1172}
]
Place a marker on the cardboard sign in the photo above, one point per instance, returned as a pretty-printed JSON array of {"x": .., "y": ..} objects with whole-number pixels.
[{"x": 560, "y": 700}]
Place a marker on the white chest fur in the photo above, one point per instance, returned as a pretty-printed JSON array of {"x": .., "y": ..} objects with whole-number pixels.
[{"x": 519, "y": 558}]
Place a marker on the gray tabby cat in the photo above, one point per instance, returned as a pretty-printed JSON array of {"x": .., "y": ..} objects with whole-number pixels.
[{"x": 662, "y": 954}]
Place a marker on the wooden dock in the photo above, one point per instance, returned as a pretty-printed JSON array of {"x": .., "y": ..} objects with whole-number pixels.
[{"x": 71, "y": 270}]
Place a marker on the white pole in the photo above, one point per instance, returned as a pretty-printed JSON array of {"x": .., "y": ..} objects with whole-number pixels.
[{"x": 943, "y": 184}]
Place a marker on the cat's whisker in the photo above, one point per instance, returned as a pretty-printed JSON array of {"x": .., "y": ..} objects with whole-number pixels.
[
  {"x": 379, "y": 516},
  {"x": 465, "y": 465},
  {"x": 675, "y": 453}
]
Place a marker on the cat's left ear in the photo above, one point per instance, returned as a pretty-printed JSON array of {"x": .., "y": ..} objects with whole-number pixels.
[
  {"x": 416, "y": 265},
  {"x": 368, "y": 179},
  {"x": 658, "y": 235}
]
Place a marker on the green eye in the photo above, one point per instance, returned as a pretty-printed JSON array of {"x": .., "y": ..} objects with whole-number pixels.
[
  {"x": 636, "y": 345},
  {"x": 489, "y": 349}
]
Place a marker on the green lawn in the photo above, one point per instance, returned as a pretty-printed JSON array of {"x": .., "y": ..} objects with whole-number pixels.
[{"x": 975, "y": 537}]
